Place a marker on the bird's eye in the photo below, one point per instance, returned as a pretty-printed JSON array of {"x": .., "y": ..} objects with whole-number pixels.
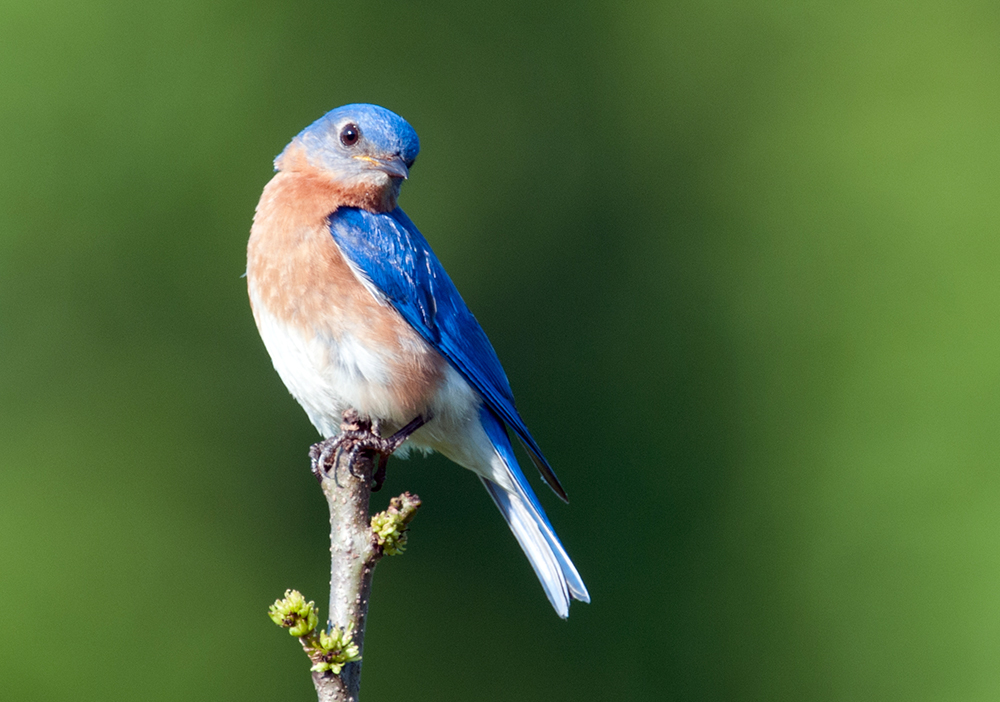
[{"x": 350, "y": 134}]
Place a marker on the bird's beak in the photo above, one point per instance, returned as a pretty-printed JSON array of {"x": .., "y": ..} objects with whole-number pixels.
[{"x": 393, "y": 165}]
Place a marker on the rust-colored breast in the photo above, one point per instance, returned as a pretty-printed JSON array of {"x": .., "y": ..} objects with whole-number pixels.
[{"x": 297, "y": 273}]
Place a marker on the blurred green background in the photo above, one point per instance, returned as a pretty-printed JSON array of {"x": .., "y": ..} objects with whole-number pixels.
[{"x": 740, "y": 260}]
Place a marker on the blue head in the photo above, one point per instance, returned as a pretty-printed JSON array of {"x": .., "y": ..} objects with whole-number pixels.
[{"x": 359, "y": 146}]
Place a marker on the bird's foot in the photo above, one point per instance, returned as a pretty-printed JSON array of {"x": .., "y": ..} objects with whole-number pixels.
[
  {"x": 359, "y": 434},
  {"x": 393, "y": 443}
]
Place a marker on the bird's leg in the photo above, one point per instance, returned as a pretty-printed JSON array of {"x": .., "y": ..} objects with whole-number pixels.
[
  {"x": 393, "y": 443},
  {"x": 357, "y": 435}
]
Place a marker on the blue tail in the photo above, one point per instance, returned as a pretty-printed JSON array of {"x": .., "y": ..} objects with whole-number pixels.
[{"x": 531, "y": 527}]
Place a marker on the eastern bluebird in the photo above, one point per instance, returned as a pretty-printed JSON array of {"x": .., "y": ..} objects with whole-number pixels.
[{"x": 357, "y": 312}]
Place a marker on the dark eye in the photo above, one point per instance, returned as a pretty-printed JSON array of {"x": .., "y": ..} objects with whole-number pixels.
[{"x": 350, "y": 134}]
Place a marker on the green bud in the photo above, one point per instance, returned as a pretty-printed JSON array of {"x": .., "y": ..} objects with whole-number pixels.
[
  {"x": 294, "y": 613},
  {"x": 389, "y": 527},
  {"x": 390, "y": 533},
  {"x": 331, "y": 652}
]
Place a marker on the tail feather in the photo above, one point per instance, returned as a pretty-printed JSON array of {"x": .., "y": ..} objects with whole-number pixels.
[{"x": 525, "y": 517}]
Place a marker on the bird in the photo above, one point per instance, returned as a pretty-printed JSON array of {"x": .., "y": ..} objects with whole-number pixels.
[{"x": 357, "y": 312}]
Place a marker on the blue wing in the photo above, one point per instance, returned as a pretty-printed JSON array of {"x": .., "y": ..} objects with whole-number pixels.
[{"x": 389, "y": 251}]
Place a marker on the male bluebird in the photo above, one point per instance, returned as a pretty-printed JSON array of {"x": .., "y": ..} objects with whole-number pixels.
[{"x": 357, "y": 312}]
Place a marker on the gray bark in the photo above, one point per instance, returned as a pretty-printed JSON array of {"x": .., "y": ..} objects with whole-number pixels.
[{"x": 353, "y": 556}]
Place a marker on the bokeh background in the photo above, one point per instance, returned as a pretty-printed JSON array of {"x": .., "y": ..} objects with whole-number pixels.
[{"x": 741, "y": 261}]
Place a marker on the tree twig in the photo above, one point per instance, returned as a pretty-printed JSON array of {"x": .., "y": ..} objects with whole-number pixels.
[{"x": 355, "y": 548}]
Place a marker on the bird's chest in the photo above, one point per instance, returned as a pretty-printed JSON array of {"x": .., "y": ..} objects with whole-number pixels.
[{"x": 334, "y": 344}]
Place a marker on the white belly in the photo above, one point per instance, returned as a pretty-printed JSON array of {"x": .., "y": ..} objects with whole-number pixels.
[{"x": 329, "y": 374}]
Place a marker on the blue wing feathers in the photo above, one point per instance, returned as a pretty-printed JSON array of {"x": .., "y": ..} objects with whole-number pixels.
[
  {"x": 399, "y": 262},
  {"x": 530, "y": 525},
  {"x": 498, "y": 437}
]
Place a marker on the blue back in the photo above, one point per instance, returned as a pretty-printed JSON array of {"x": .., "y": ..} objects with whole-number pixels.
[{"x": 394, "y": 256}]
